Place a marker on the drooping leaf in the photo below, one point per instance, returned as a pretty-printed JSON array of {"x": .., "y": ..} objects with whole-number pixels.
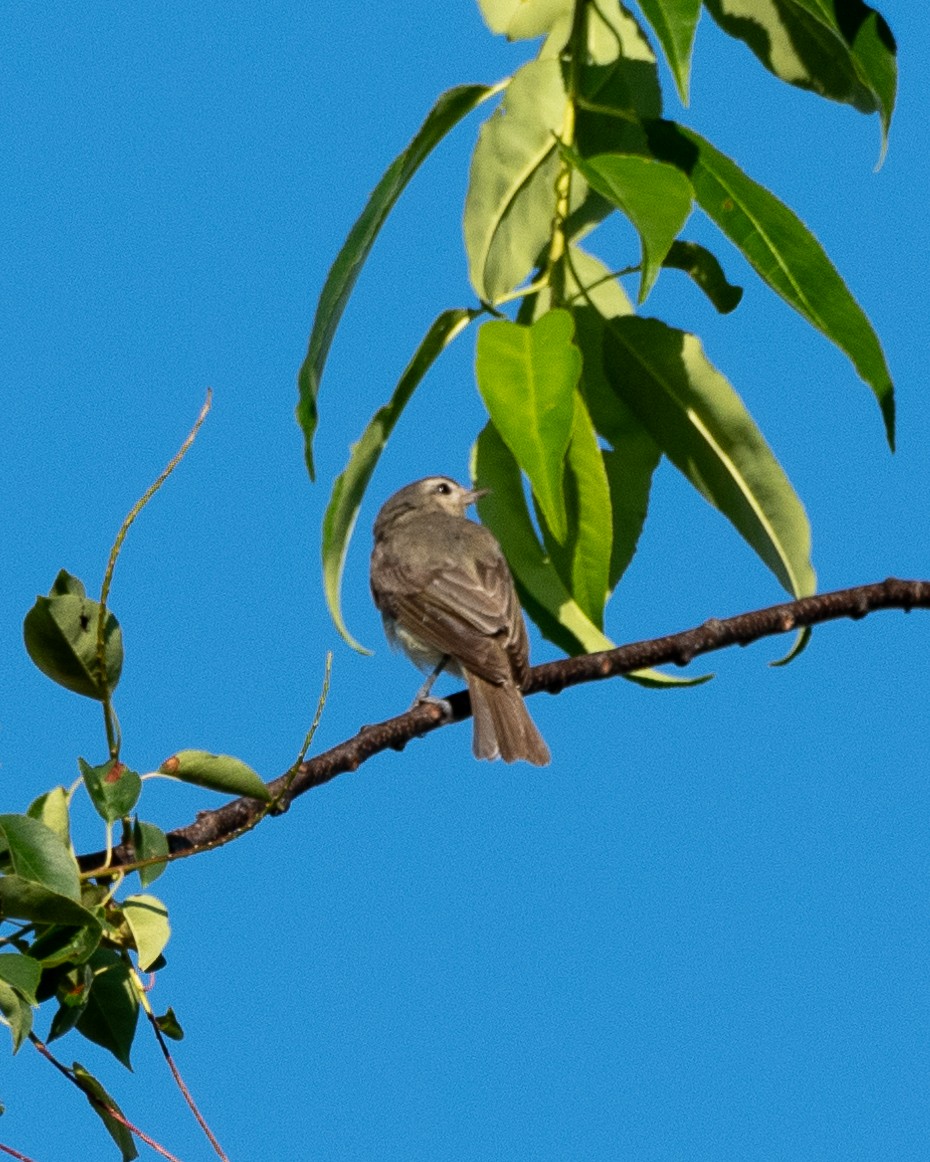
[
  {"x": 64, "y": 943},
  {"x": 22, "y": 972},
  {"x": 674, "y": 23},
  {"x": 149, "y": 841},
  {"x": 527, "y": 378},
  {"x": 706, "y": 272},
  {"x": 511, "y": 187},
  {"x": 505, "y": 513},
  {"x": 217, "y": 772},
  {"x": 109, "y": 1018},
  {"x": 170, "y": 1025},
  {"x": 841, "y": 49},
  {"x": 101, "y": 1103},
  {"x": 349, "y": 488},
  {"x": 449, "y": 110},
  {"x": 147, "y": 918},
  {"x": 25, "y": 899},
  {"x": 53, "y": 809},
  {"x": 16, "y": 1012},
  {"x": 702, "y": 425},
  {"x": 583, "y": 560},
  {"x": 783, "y": 252},
  {"x": 656, "y": 198},
  {"x": 113, "y": 788},
  {"x": 60, "y": 634},
  {"x": 39, "y": 854}
]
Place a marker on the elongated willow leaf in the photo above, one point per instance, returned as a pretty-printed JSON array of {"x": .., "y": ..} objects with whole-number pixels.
[
  {"x": 448, "y": 111},
  {"x": 655, "y": 196},
  {"x": 841, "y": 49},
  {"x": 349, "y": 488},
  {"x": 542, "y": 594},
  {"x": 701, "y": 424},
  {"x": 674, "y": 23},
  {"x": 527, "y": 378},
  {"x": 511, "y": 197},
  {"x": 783, "y": 252}
]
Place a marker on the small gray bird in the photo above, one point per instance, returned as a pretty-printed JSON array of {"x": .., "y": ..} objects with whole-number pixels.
[{"x": 448, "y": 601}]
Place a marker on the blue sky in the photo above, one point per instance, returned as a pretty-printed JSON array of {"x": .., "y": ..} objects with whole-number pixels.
[{"x": 702, "y": 932}]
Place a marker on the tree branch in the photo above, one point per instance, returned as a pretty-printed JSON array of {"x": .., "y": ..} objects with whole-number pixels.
[{"x": 212, "y": 828}]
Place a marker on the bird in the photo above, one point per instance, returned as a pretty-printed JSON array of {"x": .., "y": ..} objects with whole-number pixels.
[{"x": 447, "y": 599}]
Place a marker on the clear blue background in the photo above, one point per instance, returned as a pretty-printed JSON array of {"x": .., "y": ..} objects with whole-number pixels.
[{"x": 702, "y": 932}]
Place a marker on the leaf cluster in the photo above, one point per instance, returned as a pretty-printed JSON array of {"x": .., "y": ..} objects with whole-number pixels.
[{"x": 584, "y": 395}]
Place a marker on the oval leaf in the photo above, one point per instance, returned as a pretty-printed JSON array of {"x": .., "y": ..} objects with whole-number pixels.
[
  {"x": 149, "y": 841},
  {"x": 60, "y": 633},
  {"x": 112, "y": 1010},
  {"x": 217, "y": 772},
  {"x": 113, "y": 788},
  {"x": 349, "y": 488},
  {"x": 448, "y": 111},
  {"x": 53, "y": 809},
  {"x": 39, "y": 854},
  {"x": 527, "y": 378},
  {"x": 147, "y": 918}
]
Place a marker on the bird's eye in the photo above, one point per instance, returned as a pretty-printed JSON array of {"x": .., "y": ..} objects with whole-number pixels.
[{"x": 443, "y": 489}]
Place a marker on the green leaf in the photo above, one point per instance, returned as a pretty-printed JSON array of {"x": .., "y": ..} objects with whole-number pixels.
[
  {"x": 147, "y": 918},
  {"x": 703, "y": 268},
  {"x": 53, "y": 809},
  {"x": 149, "y": 841},
  {"x": 674, "y": 23},
  {"x": 523, "y": 19},
  {"x": 60, "y": 633},
  {"x": 170, "y": 1025},
  {"x": 16, "y": 1012},
  {"x": 37, "y": 853},
  {"x": 22, "y": 972},
  {"x": 25, "y": 899},
  {"x": 505, "y": 513},
  {"x": 64, "y": 944},
  {"x": 349, "y": 488},
  {"x": 701, "y": 424},
  {"x": 448, "y": 111},
  {"x": 783, "y": 252},
  {"x": 112, "y": 1010},
  {"x": 511, "y": 187},
  {"x": 216, "y": 772},
  {"x": 654, "y": 196},
  {"x": 114, "y": 789},
  {"x": 101, "y": 1102},
  {"x": 527, "y": 378},
  {"x": 583, "y": 561},
  {"x": 841, "y": 49}
]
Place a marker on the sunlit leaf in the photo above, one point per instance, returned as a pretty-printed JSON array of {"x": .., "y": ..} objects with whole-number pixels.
[
  {"x": 39, "y": 854},
  {"x": 217, "y": 772},
  {"x": 147, "y": 918},
  {"x": 53, "y": 809},
  {"x": 60, "y": 634},
  {"x": 113, "y": 788},
  {"x": 674, "y": 23}
]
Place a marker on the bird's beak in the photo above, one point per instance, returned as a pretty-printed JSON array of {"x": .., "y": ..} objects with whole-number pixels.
[{"x": 475, "y": 494}]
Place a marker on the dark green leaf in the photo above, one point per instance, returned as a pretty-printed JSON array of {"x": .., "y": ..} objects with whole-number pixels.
[
  {"x": 527, "y": 378},
  {"x": 22, "y": 972},
  {"x": 16, "y": 1012},
  {"x": 72, "y": 990},
  {"x": 64, "y": 944},
  {"x": 349, "y": 488},
  {"x": 149, "y": 841},
  {"x": 60, "y": 633},
  {"x": 656, "y": 198},
  {"x": 101, "y": 1103},
  {"x": 170, "y": 1026},
  {"x": 113, "y": 788},
  {"x": 37, "y": 853},
  {"x": 112, "y": 1010},
  {"x": 841, "y": 49},
  {"x": 217, "y": 772},
  {"x": 700, "y": 265},
  {"x": 701, "y": 424},
  {"x": 448, "y": 111},
  {"x": 782, "y": 250},
  {"x": 674, "y": 23},
  {"x": 24, "y": 899}
]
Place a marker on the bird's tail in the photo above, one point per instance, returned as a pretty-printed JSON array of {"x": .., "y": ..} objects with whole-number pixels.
[{"x": 503, "y": 726}]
